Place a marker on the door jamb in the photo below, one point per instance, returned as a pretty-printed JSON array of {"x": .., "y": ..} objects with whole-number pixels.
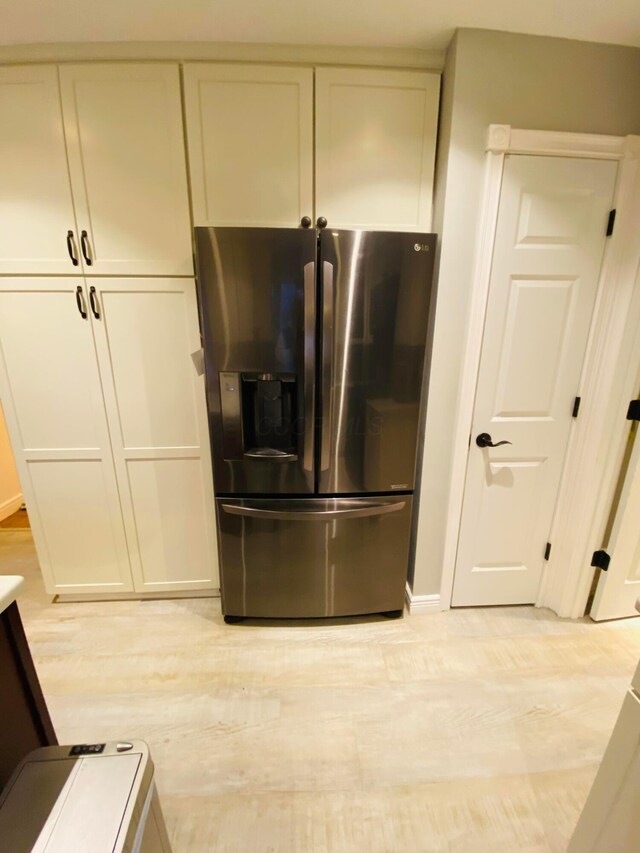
[{"x": 566, "y": 578}]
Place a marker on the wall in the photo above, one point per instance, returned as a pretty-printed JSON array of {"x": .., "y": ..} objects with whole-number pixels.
[
  {"x": 528, "y": 82},
  {"x": 10, "y": 490}
]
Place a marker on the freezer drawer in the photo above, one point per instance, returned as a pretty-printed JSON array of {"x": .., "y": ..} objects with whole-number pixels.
[{"x": 286, "y": 558}]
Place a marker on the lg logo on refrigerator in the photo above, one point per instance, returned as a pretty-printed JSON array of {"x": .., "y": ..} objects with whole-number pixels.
[{"x": 420, "y": 247}]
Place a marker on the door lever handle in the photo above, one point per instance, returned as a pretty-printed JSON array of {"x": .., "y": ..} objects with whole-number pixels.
[{"x": 484, "y": 440}]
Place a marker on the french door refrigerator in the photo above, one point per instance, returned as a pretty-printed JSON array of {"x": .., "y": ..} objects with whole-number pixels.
[{"x": 314, "y": 355}]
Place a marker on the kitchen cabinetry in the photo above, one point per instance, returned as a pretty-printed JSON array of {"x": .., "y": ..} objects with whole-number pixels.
[
  {"x": 250, "y": 136},
  {"x": 251, "y": 147},
  {"x": 120, "y": 125},
  {"x": 375, "y": 147},
  {"x": 52, "y": 398},
  {"x": 145, "y": 332},
  {"x": 98, "y": 318},
  {"x": 106, "y": 415},
  {"x": 36, "y": 208},
  {"x": 123, "y": 125}
]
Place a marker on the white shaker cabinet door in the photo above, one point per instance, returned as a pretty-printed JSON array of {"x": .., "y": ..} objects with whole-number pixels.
[
  {"x": 146, "y": 331},
  {"x": 123, "y": 124},
  {"x": 52, "y": 398},
  {"x": 375, "y": 147},
  {"x": 37, "y": 222},
  {"x": 250, "y": 138}
]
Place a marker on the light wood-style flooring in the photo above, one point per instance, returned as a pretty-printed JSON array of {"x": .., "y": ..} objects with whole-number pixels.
[
  {"x": 472, "y": 730},
  {"x": 18, "y": 520}
]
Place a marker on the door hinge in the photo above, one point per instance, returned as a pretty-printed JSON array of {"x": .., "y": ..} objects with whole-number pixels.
[
  {"x": 611, "y": 222},
  {"x": 600, "y": 560},
  {"x": 547, "y": 551},
  {"x": 576, "y": 407},
  {"x": 633, "y": 412}
]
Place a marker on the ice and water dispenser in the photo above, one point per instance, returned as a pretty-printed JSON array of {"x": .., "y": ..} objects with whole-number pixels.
[{"x": 259, "y": 415}]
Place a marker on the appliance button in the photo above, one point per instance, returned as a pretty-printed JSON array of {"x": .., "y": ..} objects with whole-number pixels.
[
  {"x": 123, "y": 747},
  {"x": 87, "y": 749}
]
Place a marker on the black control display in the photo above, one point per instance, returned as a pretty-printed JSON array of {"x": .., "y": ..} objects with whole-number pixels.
[{"x": 87, "y": 749}]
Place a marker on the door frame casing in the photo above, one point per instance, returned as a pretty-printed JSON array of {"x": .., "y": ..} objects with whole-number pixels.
[{"x": 584, "y": 491}]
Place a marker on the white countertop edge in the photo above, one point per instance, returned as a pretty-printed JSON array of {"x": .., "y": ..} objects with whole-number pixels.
[{"x": 10, "y": 586}]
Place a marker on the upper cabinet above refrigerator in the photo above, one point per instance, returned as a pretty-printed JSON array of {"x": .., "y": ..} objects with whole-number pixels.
[
  {"x": 250, "y": 131},
  {"x": 120, "y": 206},
  {"x": 375, "y": 147},
  {"x": 250, "y": 138}
]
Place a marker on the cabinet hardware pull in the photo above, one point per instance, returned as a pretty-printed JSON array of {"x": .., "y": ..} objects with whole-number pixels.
[
  {"x": 322, "y": 222},
  {"x": 84, "y": 243},
  {"x": 93, "y": 301},
  {"x": 83, "y": 313},
  {"x": 74, "y": 260}
]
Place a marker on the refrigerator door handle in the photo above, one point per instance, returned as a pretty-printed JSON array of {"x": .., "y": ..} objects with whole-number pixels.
[
  {"x": 309, "y": 362},
  {"x": 365, "y": 511},
  {"x": 327, "y": 360}
]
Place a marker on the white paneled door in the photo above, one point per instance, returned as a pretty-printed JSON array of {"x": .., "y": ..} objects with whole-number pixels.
[
  {"x": 618, "y": 588},
  {"x": 52, "y": 397},
  {"x": 548, "y": 249},
  {"x": 125, "y": 141},
  {"x": 375, "y": 147},
  {"x": 250, "y": 137},
  {"x": 146, "y": 330},
  {"x": 38, "y": 231}
]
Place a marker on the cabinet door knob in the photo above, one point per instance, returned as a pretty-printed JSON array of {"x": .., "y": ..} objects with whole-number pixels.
[
  {"x": 79, "y": 303},
  {"x": 70, "y": 248},
  {"x": 306, "y": 222},
  {"x": 84, "y": 243},
  {"x": 322, "y": 222}
]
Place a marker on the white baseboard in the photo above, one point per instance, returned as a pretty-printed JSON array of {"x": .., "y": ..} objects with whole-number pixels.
[
  {"x": 10, "y": 506},
  {"x": 421, "y": 603},
  {"x": 79, "y": 597}
]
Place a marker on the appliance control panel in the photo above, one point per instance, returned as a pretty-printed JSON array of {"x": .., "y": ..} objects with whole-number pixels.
[{"x": 87, "y": 749}]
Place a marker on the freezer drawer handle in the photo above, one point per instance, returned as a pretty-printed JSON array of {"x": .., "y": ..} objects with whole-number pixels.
[
  {"x": 270, "y": 453},
  {"x": 321, "y": 515}
]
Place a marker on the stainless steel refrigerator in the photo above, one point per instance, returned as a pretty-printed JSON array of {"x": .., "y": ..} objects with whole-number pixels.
[{"x": 314, "y": 358}]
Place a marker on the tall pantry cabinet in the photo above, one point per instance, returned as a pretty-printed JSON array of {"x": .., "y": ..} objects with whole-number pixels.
[{"x": 98, "y": 322}]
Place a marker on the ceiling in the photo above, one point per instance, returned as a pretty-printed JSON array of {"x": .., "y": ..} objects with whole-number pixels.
[{"x": 425, "y": 24}]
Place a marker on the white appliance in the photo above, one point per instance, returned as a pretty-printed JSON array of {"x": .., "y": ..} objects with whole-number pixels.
[
  {"x": 98, "y": 798},
  {"x": 609, "y": 820}
]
